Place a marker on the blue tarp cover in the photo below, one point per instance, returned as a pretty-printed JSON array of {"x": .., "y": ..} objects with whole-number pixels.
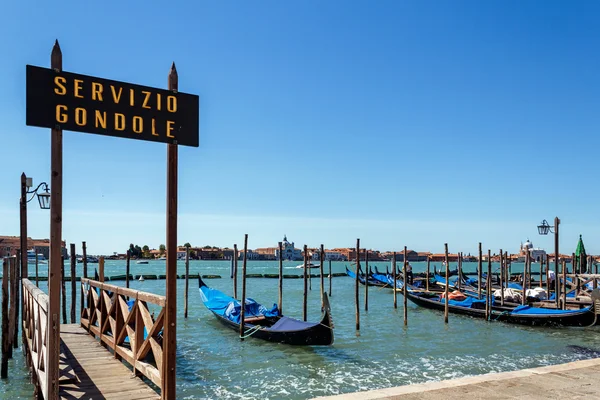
[
  {"x": 468, "y": 302},
  {"x": 442, "y": 280},
  {"x": 545, "y": 311},
  {"x": 290, "y": 324},
  {"x": 226, "y": 306}
]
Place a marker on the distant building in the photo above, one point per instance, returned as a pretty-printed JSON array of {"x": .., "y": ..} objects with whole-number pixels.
[
  {"x": 10, "y": 244},
  {"x": 536, "y": 254},
  {"x": 290, "y": 252}
]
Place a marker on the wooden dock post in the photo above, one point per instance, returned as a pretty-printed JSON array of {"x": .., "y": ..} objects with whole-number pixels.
[
  {"x": 488, "y": 288},
  {"x": 366, "y": 280},
  {"x": 84, "y": 248},
  {"x": 330, "y": 278},
  {"x": 101, "y": 269},
  {"x": 168, "y": 389},
  {"x": 63, "y": 291},
  {"x": 73, "y": 286},
  {"x": 54, "y": 264},
  {"x": 564, "y": 285},
  {"x": 479, "y": 274},
  {"x": 17, "y": 299},
  {"x": 427, "y": 275},
  {"x": 395, "y": 276},
  {"x": 5, "y": 331},
  {"x": 127, "y": 268},
  {"x": 235, "y": 270},
  {"x": 357, "y": 308},
  {"x": 280, "y": 304},
  {"x": 404, "y": 287},
  {"x": 305, "y": 277},
  {"x": 502, "y": 277},
  {"x": 446, "y": 304},
  {"x": 37, "y": 277},
  {"x": 12, "y": 301},
  {"x": 459, "y": 267},
  {"x": 187, "y": 282},
  {"x": 243, "y": 299},
  {"x": 322, "y": 261}
]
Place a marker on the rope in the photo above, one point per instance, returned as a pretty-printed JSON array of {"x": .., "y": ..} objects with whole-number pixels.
[
  {"x": 252, "y": 332},
  {"x": 501, "y": 314}
]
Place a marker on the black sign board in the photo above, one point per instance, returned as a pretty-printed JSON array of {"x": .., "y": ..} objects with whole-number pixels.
[{"x": 84, "y": 103}]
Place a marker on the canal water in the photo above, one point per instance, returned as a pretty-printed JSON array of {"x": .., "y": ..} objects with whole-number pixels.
[{"x": 213, "y": 363}]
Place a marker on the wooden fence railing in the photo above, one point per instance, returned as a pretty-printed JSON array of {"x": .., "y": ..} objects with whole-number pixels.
[
  {"x": 122, "y": 320},
  {"x": 35, "y": 329}
]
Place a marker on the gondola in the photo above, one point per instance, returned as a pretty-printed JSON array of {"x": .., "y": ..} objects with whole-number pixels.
[
  {"x": 265, "y": 324},
  {"x": 361, "y": 278},
  {"x": 522, "y": 315}
]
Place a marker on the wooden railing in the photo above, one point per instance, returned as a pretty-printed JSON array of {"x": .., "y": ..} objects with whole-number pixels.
[
  {"x": 107, "y": 316},
  {"x": 35, "y": 329}
]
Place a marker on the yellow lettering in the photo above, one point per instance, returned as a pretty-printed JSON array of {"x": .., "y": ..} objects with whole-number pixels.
[
  {"x": 154, "y": 127},
  {"x": 172, "y": 104},
  {"x": 77, "y": 84},
  {"x": 116, "y": 98},
  {"x": 145, "y": 105},
  {"x": 97, "y": 91},
  {"x": 59, "y": 81},
  {"x": 158, "y": 101},
  {"x": 131, "y": 97},
  {"x": 170, "y": 129},
  {"x": 119, "y": 122},
  {"x": 60, "y": 116},
  {"x": 138, "y": 124},
  {"x": 80, "y": 116},
  {"x": 101, "y": 119}
]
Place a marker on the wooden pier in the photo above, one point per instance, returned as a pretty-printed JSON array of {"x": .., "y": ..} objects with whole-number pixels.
[
  {"x": 117, "y": 341},
  {"x": 88, "y": 371}
]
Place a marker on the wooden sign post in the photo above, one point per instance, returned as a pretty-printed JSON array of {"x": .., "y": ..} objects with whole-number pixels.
[{"x": 63, "y": 100}]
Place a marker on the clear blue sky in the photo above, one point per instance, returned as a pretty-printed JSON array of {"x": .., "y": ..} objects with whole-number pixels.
[{"x": 398, "y": 122}]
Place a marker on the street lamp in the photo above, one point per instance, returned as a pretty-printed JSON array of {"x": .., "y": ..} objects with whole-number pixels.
[
  {"x": 543, "y": 229},
  {"x": 43, "y": 197},
  {"x": 44, "y": 201}
]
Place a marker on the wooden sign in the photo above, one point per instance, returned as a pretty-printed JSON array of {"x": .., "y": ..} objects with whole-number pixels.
[{"x": 88, "y": 104}]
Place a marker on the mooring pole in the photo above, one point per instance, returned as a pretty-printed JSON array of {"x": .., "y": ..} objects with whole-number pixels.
[
  {"x": 488, "y": 282},
  {"x": 427, "y": 276},
  {"x": 243, "y": 299},
  {"x": 73, "y": 287},
  {"x": 54, "y": 265},
  {"x": 556, "y": 261},
  {"x": 24, "y": 266},
  {"x": 366, "y": 280},
  {"x": 12, "y": 322},
  {"x": 168, "y": 390},
  {"x": 404, "y": 287},
  {"x": 395, "y": 275},
  {"x": 330, "y": 276},
  {"x": 84, "y": 246},
  {"x": 37, "y": 277},
  {"x": 502, "y": 276},
  {"x": 479, "y": 274},
  {"x": 101, "y": 269},
  {"x": 447, "y": 284},
  {"x": 280, "y": 278},
  {"x": 17, "y": 299},
  {"x": 187, "y": 282},
  {"x": 5, "y": 333},
  {"x": 356, "y": 286},
  {"x": 63, "y": 291},
  {"x": 235, "y": 270},
  {"x": 127, "y": 268},
  {"x": 305, "y": 294},
  {"x": 322, "y": 260}
]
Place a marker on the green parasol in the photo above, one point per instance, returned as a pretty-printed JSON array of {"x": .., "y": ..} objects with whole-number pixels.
[{"x": 581, "y": 255}]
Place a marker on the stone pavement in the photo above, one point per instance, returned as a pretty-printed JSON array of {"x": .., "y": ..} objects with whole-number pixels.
[{"x": 574, "y": 380}]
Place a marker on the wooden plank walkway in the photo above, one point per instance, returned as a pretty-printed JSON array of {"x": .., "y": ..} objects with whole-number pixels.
[{"x": 90, "y": 371}]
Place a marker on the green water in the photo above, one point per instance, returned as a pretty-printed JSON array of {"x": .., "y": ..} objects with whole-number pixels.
[{"x": 213, "y": 363}]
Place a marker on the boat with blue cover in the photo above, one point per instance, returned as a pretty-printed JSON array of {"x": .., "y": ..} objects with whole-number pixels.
[
  {"x": 361, "y": 278},
  {"x": 267, "y": 324},
  {"x": 523, "y": 315}
]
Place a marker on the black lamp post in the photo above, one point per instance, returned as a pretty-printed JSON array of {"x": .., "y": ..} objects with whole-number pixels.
[
  {"x": 44, "y": 201},
  {"x": 543, "y": 229}
]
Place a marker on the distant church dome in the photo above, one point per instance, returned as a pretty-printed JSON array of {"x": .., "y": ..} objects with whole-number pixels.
[{"x": 527, "y": 245}]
